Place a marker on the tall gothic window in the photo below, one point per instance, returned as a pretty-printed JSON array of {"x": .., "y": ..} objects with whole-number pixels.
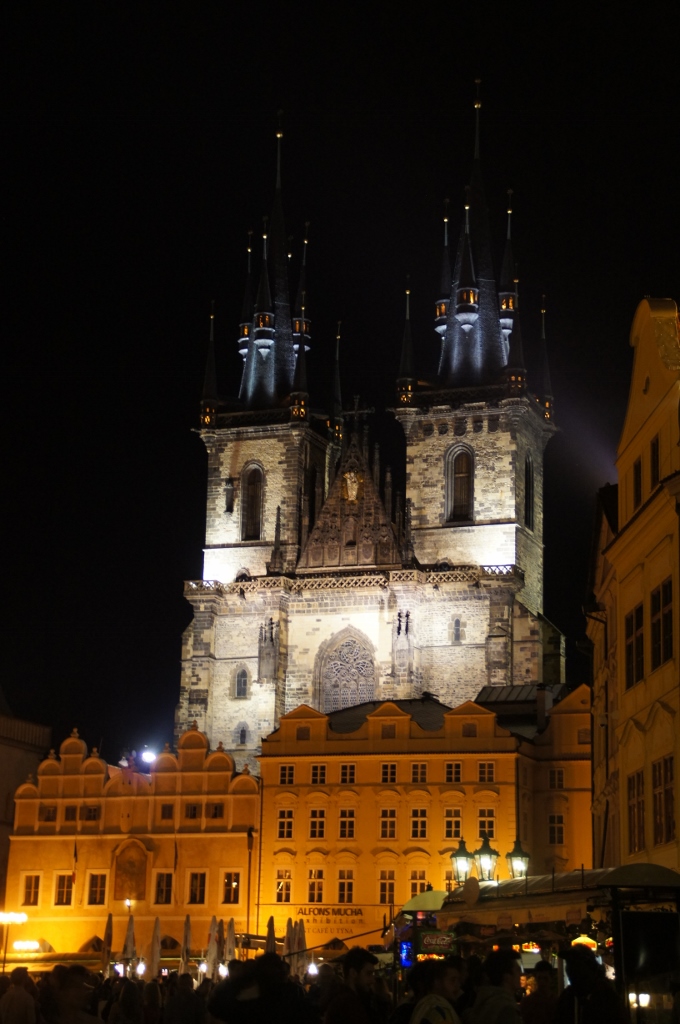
[
  {"x": 348, "y": 676},
  {"x": 529, "y": 492},
  {"x": 251, "y": 497},
  {"x": 459, "y": 489}
]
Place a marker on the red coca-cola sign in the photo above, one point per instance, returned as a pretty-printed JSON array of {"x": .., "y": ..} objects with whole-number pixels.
[{"x": 435, "y": 942}]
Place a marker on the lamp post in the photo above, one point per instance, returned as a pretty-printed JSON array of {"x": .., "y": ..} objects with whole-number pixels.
[
  {"x": 461, "y": 863},
  {"x": 518, "y": 861},
  {"x": 6, "y": 919},
  {"x": 486, "y": 859}
]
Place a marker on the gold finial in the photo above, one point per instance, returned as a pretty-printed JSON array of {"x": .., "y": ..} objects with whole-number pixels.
[
  {"x": 509, "y": 200},
  {"x": 337, "y": 336},
  {"x": 279, "y": 134},
  {"x": 478, "y": 102}
]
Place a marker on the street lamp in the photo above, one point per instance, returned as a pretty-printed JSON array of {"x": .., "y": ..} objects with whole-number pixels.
[
  {"x": 518, "y": 861},
  {"x": 486, "y": 859},
  {"x": 461, "y": 863},
  {"x": 6, "y": 919}
]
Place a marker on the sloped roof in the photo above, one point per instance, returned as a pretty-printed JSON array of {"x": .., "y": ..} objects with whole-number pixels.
[{"x": 427, "y": 712}]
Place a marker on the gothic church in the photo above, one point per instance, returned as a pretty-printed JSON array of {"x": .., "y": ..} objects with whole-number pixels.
[{"x": 322, "y": 587}]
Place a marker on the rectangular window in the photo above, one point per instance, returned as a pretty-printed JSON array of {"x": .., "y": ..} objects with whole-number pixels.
[
  {"x": 663, "y": 795},
  {"x": 347, "y": 824},
  {"x": 418, "y": 883},
  {"x": 283, "y": 885},
  {"x": 347, "y": 774},
  {"x": 636, "y": 812},
  {"x": 317, "y": 823},
  {"x": 418, "y": 823},
  {"x": 419, "y": 772},
  {"x": 345, "y": 885},
  {"x": 454, "y": 771},
  {"x": 388, "y": 773},
  {"x": 388, "y": 823},
  {"x": 64, "y": 892},
  {"x": 232, "y": 886},
  {"x": 486, "y": 816},
  {"x": 453, "y": 823},
  {"x": 89, "y": 813},
  {"x": 556, "y": 829},
  {"x": 96, "y": 891},
  {"x": 654, "y": 462},
  {"x": 662, "y": 623},
  {"x": 637, "y": 483},
  {"x": 286, "y": 775},
  {"x": 70, "y": 812},
  {"x": 215, "y": 811},
  {"x": 486, "y": 771},
  {"x": 164, "y": 888},
  {"x": 197, "y": 887},
  {"x": 49, "y": 813},
  {"x": 315, "y": 885},
  {"x": 635, "y": 651},
  {"x": 557, "y": 778},
  {"x": 192, "y": 811},
  {"x": 388, "y": 732},
  {"x": 448, "y": 880},
  {"x": 167, "y": 812},
  {"x": 285, "y": 824},
  {"x": 318, "y": 774},
  {"x": 387, "y": 887},
  {"x": 31, "y": 890}
]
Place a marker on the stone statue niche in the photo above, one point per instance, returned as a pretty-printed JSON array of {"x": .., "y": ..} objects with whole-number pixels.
[{"x": 268, "y": 650}]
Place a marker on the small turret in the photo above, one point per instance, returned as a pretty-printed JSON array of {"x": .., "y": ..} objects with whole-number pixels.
[
  {"x": 246, "y": 323},
  {"x": 545, "y": 395},
  {"x": 467, "y": 292},
  {"x": 506, "y": 292},
  {"x": 442, "y": 304},
  {"x": 299, "y": 397},
  {"x": 263, "y": 319},
  {"x": 515, "y": 371},
  {"x": 209, "y": 398},
  {"x": 406, "y": 379},
  {"x": 301, "y": 323}
]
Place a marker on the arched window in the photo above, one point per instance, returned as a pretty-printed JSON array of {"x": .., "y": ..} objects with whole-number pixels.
[
  {"x": 242, "y": 736},
  {"x": 528, "y": 492},
  {"x": 459, "y": 485},
  {"x": 242, "y": 683},
  {"x": 251, "y": 499},
  {"x": 456, "y": 631}
]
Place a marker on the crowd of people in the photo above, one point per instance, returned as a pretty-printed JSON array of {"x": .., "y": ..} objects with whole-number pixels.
[{"x": 262, "y": 991}]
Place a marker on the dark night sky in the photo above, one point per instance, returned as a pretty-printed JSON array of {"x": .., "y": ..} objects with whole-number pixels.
[{"x": 141, "y": 149}]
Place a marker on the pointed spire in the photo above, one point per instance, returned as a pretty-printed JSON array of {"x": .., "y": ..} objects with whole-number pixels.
[
  {"x": 246, "y": 322},
  {"x": 478, "y": 107},
  {"x": 467, "y": 293},
  {"x": 283, "y": 365},
  {"x": 546, "y": 396},
  {"x": 209, "y": 399},
  {"x": 263, "y": 300},
  {"x": 506, "y": 292},
  {"x": 299, "y": 397},
  {"x": 301, "y": 323},
  {"x": 515, "y": 371},
  {"x": 279, "y": 136},
  {"x": 406, "y": 380},
  {"x": 442, "y": 304},
  {"x": 336, "y": 397}
]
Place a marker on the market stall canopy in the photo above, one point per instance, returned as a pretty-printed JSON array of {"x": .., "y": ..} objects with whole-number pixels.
[{"x": 431, "y": 899}]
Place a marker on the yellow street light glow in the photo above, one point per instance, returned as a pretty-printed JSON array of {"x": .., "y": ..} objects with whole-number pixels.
[
  {"x": 26, "y": 946},
  {"x": 12, "y": 918}
]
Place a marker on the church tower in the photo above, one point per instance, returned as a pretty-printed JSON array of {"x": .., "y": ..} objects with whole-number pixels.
[{"x": 320, "y": 585}]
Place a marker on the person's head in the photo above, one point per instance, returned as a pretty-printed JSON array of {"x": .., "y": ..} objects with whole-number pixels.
[
  {"x": 152, "y": 994},
  {"x": 583, "y": 968},
  {"x": 130, "y": 999},
  {"x": 442, "y": 979},
  {"x": 417, "y": 979},
  {"x": 358, "y": 969},
  {"x": 503, "y": 969},
  {"x": 236, "y": 969},
  {"x": 185, "y": 983},
  {"x": 543, "y": 975},
  {"x": 19, "y": 976},
  {"x": 75, "y": 987},
  {"x": 270, "y": 969}
]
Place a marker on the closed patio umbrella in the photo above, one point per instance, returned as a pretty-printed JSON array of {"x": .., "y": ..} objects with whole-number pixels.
[
  {"x": 129, "y": 949},
  {"x": 270, "y": 941},
  {"x": 186, "y": 946},
  {"x": 106, "y": 948},
  {"x": 211, "y": 955},
  {"x": 155, "y": 952},
  {"x": 230, "y": 941}
]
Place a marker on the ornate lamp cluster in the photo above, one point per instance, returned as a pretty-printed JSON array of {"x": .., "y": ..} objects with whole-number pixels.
[{"x": 485, "y": 860}]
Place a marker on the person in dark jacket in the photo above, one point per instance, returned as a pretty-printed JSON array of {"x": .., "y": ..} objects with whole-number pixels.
[
  {"x": 589, "y": 998},
  {"x": 354, "y": 1000}
]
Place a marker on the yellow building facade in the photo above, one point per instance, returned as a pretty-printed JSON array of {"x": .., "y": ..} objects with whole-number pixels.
[
  {"x": 89, "y": 836},
  {"x": 633, "y": 617},
  {"x": 362, "y": 808}
]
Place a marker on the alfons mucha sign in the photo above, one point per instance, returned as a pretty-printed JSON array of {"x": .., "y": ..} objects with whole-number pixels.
[{"x": 334, "y": 921}]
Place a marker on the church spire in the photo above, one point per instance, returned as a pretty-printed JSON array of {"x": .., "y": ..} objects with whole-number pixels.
[
  {"x": 209, "y": 399},
  {"x": 335, "y": 423},
  {"x": 299, "y": 398},
  {"x": 506, "y": 292},
  {"x": 473, "y": 353},
  {"x": 406, "y": 379},
  {"x": 301, "y": 323},
  {"x": 442, "y": 304},
  {"x": 246, "y": 323},
  {"x": 283, "y": 367},
  {"x": 257, "y": 384},
  {"x": 515, "y": 372},
  {"x": 545, "y": 394}
]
